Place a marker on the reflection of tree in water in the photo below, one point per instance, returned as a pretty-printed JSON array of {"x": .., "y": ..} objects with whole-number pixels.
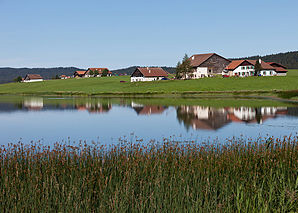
[
  {"x": 185, "y": 117},
  {"x": 199, "y": 117},
  {"x": 293, "y": 111},
  {"x": 258, "y": 115}
]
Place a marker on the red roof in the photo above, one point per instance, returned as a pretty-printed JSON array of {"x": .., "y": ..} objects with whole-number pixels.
[
  {"x": 80, "y": 72},
  {"x": 33, "y": 76},
  {"x": 153, "y": 72},
  {"x": 236, "y": 63}
]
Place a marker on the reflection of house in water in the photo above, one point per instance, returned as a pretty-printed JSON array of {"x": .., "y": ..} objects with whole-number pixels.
[
  {"x": 33, "y": 103},
  {"x": 199, "y": 117},
  {"x": 148, "y": 109},
  {"x": 95, "y": 107},
  {"x": 254, "y": 115}
]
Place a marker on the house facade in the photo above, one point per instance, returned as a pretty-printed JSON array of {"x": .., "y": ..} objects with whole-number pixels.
[
  {"x": 148, "y": 74},
  {"x": 32, "y": 78},
  {"x": 245, "y": 68},
  {"x": 207, "y": 65}
]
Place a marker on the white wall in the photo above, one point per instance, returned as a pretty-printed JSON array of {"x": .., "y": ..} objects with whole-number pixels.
[
  {"x": 281, "y": 74},
  {"x": 268, "y": 73},
  {"x": 134, "y": 79},
  {"x": 244, "y": 71},
  {"x": 33, "y": 80},
  {"x": 200, "y": 72}
]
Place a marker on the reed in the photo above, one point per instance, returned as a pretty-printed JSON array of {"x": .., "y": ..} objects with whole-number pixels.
[{"x": 239, "y": 175}]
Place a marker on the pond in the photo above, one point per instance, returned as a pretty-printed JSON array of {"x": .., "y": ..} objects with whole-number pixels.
[{"x": 108, "y": 120}]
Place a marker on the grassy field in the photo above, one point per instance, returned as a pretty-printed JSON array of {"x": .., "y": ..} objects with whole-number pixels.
[
  {"x": 112, "y": 86},
  {"x": 241, "y": 176}
]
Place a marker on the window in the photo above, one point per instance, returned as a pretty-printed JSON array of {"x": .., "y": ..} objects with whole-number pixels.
[{"x": 243, "y": 68}]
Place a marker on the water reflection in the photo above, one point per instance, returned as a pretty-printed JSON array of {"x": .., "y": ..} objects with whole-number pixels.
[
  {"x": 194, "y": 117},
  {"x": 38, "y": 103},
  {"x": 200, "y": 117},
  {"x": 147, "y": 109},
  {"x": 33, "y": 103}
]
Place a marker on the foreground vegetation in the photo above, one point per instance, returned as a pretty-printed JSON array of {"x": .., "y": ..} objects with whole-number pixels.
[
  {"x": 112, "y": 86},
  {"x": 259, "y": 176}
]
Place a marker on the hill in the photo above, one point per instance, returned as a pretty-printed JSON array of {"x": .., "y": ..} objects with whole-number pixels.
[
  {"x": 7, "y": 74},
  {"x": 288, "y": 59}
]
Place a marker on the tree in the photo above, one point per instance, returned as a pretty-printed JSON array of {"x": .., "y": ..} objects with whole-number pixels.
[
  {"x": 258, "y": 68},
  {"x": 91, "y": 72},
  {"x": 18, "y": 79},
  {"x": 184, "y": 70},
  {"x": 96, "y": 73},
  {"x": 178, "y": 70},
  {"x": 57, "y": 77},
  {"x": 104, "y": 73}
]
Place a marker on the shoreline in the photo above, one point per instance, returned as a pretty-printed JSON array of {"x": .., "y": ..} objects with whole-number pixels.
[{"x": 276, "y": 95}]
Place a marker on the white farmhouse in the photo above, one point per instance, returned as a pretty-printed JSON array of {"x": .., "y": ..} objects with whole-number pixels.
[
  {"x": 32, "y": 78},
  {"x": 207, "y": 65},
  {"x": 244, "y": 68},
  {"x": 148, "y": 74}
]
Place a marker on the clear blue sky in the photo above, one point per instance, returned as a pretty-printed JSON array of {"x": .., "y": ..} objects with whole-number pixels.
[{"x": 121, "y": 33}]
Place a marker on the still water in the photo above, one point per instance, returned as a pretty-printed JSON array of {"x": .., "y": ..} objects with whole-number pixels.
[{"x": 51, "y": 120}]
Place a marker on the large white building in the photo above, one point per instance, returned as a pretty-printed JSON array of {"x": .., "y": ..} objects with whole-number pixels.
[
  {"x": 148, "y": 74},
  {"x": 244, "y": 68}
]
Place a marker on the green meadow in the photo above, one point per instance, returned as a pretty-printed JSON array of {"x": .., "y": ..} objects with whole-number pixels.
[{"x": 113, "y": 86}]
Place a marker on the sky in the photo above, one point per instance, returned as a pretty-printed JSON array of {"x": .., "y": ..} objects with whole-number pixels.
[{"x": 122, "y": 33}]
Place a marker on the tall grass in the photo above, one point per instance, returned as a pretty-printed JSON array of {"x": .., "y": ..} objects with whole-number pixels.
[{"x": 168, "y": 177}]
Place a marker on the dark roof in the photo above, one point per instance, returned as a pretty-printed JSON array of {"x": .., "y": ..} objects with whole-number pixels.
[
  {"x": 198, "y": 59},
  {"x": 278, "y": 67},
  {"x": 33, "y": 76},
  {"x": 153, "y": 72},
  {"x": 274, "y": 64}
]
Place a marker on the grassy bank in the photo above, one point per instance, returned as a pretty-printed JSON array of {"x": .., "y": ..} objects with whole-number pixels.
[
  {"x": 112, "y": 86},
  {"x": 210, "y": 102},
  {"x": 170, "y": 177}
]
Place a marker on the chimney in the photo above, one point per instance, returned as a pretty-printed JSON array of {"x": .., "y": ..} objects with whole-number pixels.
[
  {"x": 193, "y": 58},
  {"x": 260, "y": 61}
]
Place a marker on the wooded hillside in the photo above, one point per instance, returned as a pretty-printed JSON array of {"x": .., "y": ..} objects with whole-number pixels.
[{"x": 288, "y": 59}]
